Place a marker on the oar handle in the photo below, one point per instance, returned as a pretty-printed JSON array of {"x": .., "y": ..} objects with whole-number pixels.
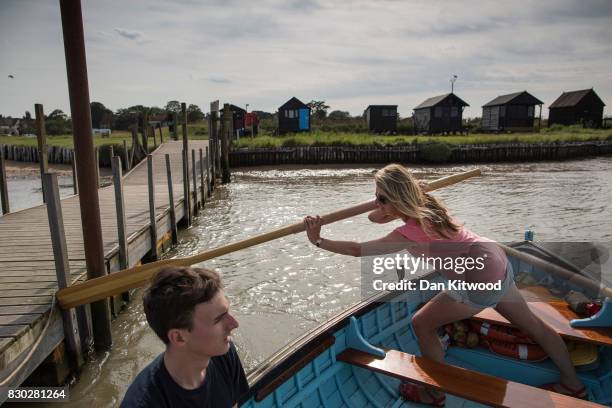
[{"x": 118, "y": 282}]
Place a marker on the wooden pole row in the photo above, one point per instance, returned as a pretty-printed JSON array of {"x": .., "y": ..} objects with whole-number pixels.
[{"x": 100, "y": 288}]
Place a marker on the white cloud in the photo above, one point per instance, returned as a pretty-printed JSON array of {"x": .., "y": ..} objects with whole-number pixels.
[{"x": 349, "y": 53}]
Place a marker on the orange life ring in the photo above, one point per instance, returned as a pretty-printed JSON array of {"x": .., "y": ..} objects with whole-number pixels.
[
  {"x": 501, "y": 333},
  {"x": 528, "y": 352}
]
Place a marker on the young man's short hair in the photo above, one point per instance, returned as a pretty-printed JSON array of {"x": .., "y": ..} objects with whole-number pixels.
[{"x": 170, "y": 300}]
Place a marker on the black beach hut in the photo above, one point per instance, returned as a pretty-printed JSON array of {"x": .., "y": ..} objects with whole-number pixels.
[
  {"x": 293, "y": 116},
  {"x": 440, "y": 114},
  {"x": 583, "y": 107},
  {"x": 381, "y": 118},
  {"x": 512, "y": 112}
]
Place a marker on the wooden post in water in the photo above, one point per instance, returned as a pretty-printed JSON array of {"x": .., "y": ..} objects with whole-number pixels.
[
  {"x": 120, "y": 210},
  {"x": 171, "y": 201},
  {"x": 186, "y": 193},
  {"x": 145, "y": 136},
  {"x": 75, "y": 185},
  {"x": 175, "y": 129},
  {"x": 195, "y": 181},
  {"x": 126, "y": 155},
  {"x": 202, "y": 181},
  {"x": 208, "y": 186},
  {"x": 78, "y": 89},
  {"x": 111, "y": 154},
  {"x": 41, "y": 136},
  {"x": 6, "y": 208},
  {"x": 225, "y": 143},
  {"x": 186, "y": 204},
  {"x": 62, "y": 269},
  {"x": 152, "y": 218},
  {"x": 97, "y": 159},
  {"x": 213, "y": 139}
]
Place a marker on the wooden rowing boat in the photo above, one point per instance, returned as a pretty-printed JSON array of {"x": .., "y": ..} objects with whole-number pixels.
[{"x": 359, "y": 358}]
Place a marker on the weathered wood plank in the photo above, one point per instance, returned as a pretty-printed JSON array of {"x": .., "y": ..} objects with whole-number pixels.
[{"x": 18, "y": 319}]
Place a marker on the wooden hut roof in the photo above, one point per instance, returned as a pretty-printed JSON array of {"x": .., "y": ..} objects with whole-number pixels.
[
  {"x": 431, "y": 102},
  {"x": 235, "y": 108},
  {"x": 382, "y": 107},
  {"x": 293, "y": 103},
  {"x": 509, "y": 98},
  {"x": 572, "y": 98}
]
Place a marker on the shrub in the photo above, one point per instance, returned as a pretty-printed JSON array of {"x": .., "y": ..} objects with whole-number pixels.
[{"x": 435, "y": 152}]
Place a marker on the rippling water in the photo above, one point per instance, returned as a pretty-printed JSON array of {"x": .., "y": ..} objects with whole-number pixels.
[{"x": 280, "y": 289}]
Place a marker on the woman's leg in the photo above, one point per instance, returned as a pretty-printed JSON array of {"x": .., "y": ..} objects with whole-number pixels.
[
  {"x": 514, "y": 308},
  {"x": 440, "y": 310}
]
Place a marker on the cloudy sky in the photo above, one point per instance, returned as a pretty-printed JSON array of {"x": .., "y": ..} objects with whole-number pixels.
[{"x": 348, "y": 53}]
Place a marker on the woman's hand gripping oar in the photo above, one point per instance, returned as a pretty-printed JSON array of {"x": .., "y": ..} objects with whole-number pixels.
[{"x": 118, "y": 282}]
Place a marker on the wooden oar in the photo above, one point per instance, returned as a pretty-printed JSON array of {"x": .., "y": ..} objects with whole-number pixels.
[
  {"x": 118, "y": 282},
  {"x": 559, "y": 271}
]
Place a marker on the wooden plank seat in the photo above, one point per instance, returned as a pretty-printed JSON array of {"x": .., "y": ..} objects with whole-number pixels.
[
  {"x": 557, "y": 314},
  {"x": 463, "y": 383}
]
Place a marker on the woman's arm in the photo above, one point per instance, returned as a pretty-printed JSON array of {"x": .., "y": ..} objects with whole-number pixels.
[{"x": 390, "y": 243}]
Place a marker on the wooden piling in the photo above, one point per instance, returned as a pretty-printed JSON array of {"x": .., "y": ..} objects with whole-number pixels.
[
  {"x": 175, "y": 129},
  {"x": 208, "y": 186},
  {"x": 161, "y": 136},
  {"x": 97, "y": 166},
  {"x": 213, "y": 139},
  {"x": 75, "y": 185},
  {"x": 225, "y": 143},
  {"x": 62, "y": 269},
  {"x": 154, "y": 137},
  {"x": 126, "y": 156},
  {"x": 195, "y": 181},
  {"x": 202, "y": 181},
  {"x": 41, "y": 137},
  {"x": 145, "y": 136},
  {"x": 6, "y": 208},
  {"x": 120, "y": 211},
  {"x": 172, "y": 209},
  {"x": 152, "y": 218},
  {"x": 186, "y": 205}
]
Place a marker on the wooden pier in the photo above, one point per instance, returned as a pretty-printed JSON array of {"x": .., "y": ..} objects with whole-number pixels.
[{"x": 27, "y": 270}]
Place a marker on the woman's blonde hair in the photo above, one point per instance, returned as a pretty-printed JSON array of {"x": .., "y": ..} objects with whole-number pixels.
[{"x": 402, "y": 191}]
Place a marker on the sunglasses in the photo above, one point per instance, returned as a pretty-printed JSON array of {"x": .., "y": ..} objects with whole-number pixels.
[{"x": 381, "y": 199}]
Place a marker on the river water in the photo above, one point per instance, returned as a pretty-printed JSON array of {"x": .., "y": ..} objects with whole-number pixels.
[{"x": 283, "y": 288}]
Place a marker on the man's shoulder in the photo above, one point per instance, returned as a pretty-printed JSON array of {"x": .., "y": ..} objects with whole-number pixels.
[{"x": 144, "y": 390}]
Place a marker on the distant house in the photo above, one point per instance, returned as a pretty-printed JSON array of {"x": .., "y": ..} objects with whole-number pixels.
[
  {"x": 10, "y": 126},
  {"x": 293, "y": 116},
  {"x": 582, "y": 107},
  {"x": 381, "y": 118},
  {"x": 512, "y": 112},
  {"x": 440, "y": 114}
]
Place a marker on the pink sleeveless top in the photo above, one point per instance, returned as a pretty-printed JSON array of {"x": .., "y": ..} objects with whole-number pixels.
[{"x": 465, "y": 244}]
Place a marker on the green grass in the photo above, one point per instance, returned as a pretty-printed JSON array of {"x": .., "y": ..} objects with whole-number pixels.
[
  {"x": 355, "y": 139},
  {"x": 319, "y": 138},
  {"x": 196, "y": 131}
]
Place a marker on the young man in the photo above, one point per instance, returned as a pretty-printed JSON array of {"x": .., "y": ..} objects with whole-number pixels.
[{"x": 187, "y": 309}]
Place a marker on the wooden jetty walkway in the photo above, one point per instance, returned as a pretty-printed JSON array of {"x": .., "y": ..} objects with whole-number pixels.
[{"x": 27, "y": 270}]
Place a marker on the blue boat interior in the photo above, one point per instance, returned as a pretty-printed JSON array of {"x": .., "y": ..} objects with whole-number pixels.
[{"x": 327, "y": 383}]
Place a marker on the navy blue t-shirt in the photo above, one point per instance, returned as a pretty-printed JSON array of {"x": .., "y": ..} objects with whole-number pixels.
[{"x": 153, "y": 387}]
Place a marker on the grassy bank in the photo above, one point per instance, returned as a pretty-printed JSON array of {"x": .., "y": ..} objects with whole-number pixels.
[
  {"x": 319, "y": 138},
  {"x": 195, "y": 131},
  {"x": 355, "y": 139}
]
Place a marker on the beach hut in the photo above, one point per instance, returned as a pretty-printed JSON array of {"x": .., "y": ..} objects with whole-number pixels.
[
  {"x": 381, "y": 118},
  {"x": 293, "y": 116},
  {"x": 440, "y": 114},
  {"x": 577, "y": 107},
  {"x": 512, "y": 112}
]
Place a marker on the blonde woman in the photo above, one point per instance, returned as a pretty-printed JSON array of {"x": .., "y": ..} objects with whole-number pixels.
[{"x": 428, "y": 229}]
